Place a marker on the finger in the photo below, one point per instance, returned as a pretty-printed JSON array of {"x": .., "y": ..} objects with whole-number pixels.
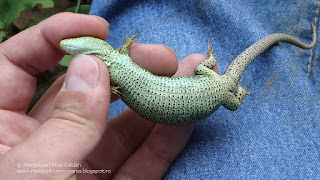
[
  {"x": 188, "y": 64},
  {"x": 3, "y": 149},
  {"x": 15, "y": 127},
  {"x": 78, "y": 118},
  {"x": 123, "y": 135},
  {"x": 41, "y": 111},
  {"x": 35, "y": 50},
  {"x": 156, "y": 58},
  {"x": 154, "y": 157}
]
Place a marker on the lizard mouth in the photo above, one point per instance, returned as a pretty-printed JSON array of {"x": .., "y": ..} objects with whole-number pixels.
[{"x": 68, "y": 47}]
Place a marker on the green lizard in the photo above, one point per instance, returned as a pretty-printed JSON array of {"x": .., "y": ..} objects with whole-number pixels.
[{"x": 179, "y": 100}]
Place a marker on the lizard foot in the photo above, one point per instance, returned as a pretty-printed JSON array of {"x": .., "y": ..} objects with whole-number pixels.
[
  {"x": 211, "y": 51},
  {"x": 129, "y": 41},
  {"x": 240, "y": 90},
  {"x": 115, "y": 90},
  {"x": 125, "y": 47},
  {"x": 205, "y": 67},
  {"x": 233, "y": 101}
]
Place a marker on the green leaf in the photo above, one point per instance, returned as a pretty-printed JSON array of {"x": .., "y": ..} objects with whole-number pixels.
[
  {"x": 65, "y": 61},
  {"x": 2, "y": 25},
  {"x": 84, "y": 9},
  {"x": 2, "y": 35},
  {"x": 10, "y": 9}
]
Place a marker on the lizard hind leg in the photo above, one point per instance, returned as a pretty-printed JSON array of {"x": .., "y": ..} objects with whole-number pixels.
[
  {"x": 240, "y": 91},
  {"x": 233, "y": 101},
  {"x": 125, "y": 47},
  {"x": 205, "y": 67}
]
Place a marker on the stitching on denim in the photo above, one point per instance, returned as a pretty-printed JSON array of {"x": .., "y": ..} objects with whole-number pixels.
[{"x": 316, "y": 25}]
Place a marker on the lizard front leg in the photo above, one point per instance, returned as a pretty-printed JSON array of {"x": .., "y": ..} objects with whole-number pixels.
[
  {"x": 123, "y": 50},
  {"x": 205, "y": 67},
  {"x": 125, "y": 47}
]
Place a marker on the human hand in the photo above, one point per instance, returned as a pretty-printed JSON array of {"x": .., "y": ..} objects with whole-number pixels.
[{"x": 68, "y": 124}]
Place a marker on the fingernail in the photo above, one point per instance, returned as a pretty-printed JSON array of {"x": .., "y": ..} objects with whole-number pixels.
[{"x": 82, "y": 74}]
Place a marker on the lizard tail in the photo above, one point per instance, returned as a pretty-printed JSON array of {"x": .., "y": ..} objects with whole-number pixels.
[{"x": 240, "y": 63}]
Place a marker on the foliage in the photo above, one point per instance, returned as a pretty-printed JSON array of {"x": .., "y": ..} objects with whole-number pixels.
[
  {"x": 10, "y": 10},
  {"x": 83, "y": 9},
  {"x": 65, "y": 61}
]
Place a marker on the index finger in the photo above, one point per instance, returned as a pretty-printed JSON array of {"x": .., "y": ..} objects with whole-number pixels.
[{"x": 35, "y": 50}]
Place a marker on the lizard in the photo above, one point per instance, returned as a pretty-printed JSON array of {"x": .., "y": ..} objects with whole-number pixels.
[{"x": 176, "y": 100}]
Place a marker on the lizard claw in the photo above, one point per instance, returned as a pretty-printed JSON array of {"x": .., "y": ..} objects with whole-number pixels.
[
  {"x": 242, "y": 84},
  {"x": 134, "y": 36},
  {"x": 115, "y": 90},
  {"x": 210, "y": 49},
  {"x": 130, "y": 40}
]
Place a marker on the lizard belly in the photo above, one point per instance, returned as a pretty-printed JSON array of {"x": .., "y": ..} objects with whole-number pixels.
[{"x": 172, "y": 100}]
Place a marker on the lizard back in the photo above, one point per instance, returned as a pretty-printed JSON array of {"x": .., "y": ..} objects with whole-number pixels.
[{"x": 163, "y": 99}]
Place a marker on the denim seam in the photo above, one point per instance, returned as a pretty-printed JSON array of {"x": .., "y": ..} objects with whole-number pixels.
[{"x": 311, "y": 50}]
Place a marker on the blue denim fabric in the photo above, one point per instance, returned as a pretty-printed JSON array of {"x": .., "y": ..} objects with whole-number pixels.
[{"x": 275, "y": 134}]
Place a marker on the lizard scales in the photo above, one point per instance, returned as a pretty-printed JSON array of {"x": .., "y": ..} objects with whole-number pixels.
[{"x": 179, "y": 100}]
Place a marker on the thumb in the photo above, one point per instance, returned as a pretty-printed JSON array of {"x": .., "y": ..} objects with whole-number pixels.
[
  {"x": 81, "y": 108},
  {"x": 78, "y": 118}
]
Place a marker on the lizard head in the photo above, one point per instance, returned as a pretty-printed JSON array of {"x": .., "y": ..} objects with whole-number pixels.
[{"x": 85, "y": 45}]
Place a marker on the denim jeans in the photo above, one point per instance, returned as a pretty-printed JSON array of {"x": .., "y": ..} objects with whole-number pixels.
[{"x": 275, "y": 134}]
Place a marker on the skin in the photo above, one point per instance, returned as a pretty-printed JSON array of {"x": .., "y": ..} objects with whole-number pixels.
[{"x": 69, "y": 124}]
